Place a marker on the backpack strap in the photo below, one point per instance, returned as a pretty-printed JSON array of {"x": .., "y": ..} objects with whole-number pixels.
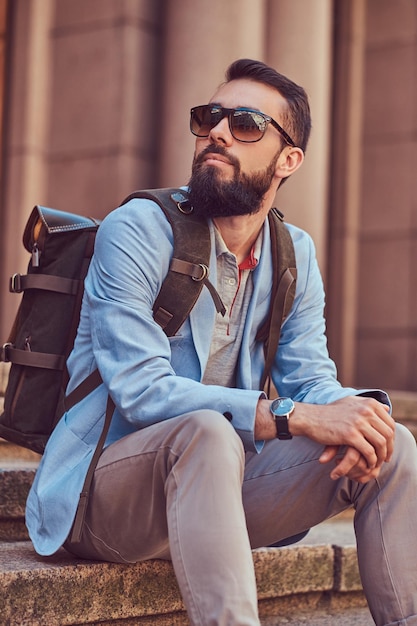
[
  {"x": 282, "y": 292},
  {"x": 191, "y": 258},
  {"x": 81, "y": 391}
]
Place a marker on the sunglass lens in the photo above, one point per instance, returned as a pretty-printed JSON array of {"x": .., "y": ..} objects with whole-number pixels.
[
  {"x": 247, "y": 125},
  {"x": 203, "y": 119}
]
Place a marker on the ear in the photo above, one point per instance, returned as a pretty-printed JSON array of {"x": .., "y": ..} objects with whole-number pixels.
[{"x": 289, "y": 161}]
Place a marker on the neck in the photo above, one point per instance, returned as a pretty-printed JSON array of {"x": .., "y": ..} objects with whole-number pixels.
[{"x": 240, "y": 233}]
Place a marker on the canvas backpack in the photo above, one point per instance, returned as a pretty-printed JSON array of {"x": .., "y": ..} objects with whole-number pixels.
[{"x": 61, "y": 246}]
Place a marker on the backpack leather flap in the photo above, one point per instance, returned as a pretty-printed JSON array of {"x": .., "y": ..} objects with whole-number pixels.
[{"x": 43, "y": 221}]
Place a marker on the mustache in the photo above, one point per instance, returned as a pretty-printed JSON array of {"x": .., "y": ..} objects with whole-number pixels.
[{"x": 216, "y": 149}]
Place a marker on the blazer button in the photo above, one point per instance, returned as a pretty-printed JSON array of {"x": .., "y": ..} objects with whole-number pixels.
[{"x": 228, "y": 416}]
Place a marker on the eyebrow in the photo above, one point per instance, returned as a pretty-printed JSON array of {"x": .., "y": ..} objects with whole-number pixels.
[{"x": 241, "y": 106}]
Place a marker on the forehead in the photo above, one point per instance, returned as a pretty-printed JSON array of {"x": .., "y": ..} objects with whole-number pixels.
[{"x": 251, "y": 94}]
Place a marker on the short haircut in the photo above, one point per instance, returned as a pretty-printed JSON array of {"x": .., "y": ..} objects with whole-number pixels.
[{"x": 297, "y": 120}]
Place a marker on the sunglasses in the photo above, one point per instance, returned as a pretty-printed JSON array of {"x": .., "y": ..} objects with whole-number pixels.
[{"x": 245, "y": 124}]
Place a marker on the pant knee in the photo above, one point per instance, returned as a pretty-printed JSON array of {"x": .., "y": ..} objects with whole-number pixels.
[
  {"x": 402, "y": 467},
  {"x": 213, "y": 427},
  {"x": 212, "y": 436},
  {"x": 405, "y": 450}
]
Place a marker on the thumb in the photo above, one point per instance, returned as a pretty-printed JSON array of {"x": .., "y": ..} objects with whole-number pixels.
[{"x": 328, "y": 454}]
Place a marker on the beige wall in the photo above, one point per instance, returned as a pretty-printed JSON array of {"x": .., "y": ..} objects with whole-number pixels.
[
  {"x": 3, "y": 21},
  {"x": 83, "y": 105},
  {"x": 345, "y": 185},
  {"x": 101, "y": 91},
  {"x": 300, "y": 46},
  {"x": 201, "y": 40},
  {"x": 387, "y": 293},
  {"x": 372, "y": 245}
]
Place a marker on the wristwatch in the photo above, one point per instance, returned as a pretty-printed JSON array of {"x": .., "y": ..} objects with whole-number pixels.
[{"x": 281, "y": 409}]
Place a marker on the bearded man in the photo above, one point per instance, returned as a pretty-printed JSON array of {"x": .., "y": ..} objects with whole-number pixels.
[{"x": 199, "y": 466}]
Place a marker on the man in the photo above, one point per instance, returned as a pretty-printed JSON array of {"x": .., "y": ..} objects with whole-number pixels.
[{"x": 177, "y": 480}]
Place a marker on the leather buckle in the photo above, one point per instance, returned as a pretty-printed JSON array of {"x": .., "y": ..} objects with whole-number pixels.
[
  {"x": 15, "y": 284},
  {"x": 204, "y": 273},
  {"x": 4, "y": 357},
  {"x": 182, "y": 202}
]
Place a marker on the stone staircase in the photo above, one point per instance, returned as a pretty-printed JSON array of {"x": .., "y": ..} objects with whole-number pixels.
[{"x": 315, "y": 582}]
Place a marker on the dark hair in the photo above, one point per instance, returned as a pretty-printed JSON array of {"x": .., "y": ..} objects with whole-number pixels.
[{"x": 297, "y": 120}]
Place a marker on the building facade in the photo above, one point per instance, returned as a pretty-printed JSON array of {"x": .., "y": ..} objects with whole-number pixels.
[{"x": 95, "y": 98}]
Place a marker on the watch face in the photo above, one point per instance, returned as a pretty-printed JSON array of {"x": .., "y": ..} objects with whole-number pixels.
[{"x": 282, "y": 406}]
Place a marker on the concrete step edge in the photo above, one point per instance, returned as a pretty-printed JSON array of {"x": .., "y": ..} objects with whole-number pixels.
[{"x": 61, "y": 590}]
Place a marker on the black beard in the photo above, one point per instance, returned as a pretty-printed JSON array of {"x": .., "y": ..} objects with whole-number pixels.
[{"x": 212, "y": 197}]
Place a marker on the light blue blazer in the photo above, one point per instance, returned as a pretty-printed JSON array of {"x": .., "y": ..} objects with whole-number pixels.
[{"x": 153, "y": 378}]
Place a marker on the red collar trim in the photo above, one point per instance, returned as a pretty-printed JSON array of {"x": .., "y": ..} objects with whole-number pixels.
[{"x": 250, "y": 262}]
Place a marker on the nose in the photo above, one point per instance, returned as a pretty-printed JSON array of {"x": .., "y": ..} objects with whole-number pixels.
[{"x": 221, "y": 132}]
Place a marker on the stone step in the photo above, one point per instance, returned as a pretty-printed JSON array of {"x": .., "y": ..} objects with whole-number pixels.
[
  {"x": 312, "y": 582},
  {"x": 15, "y": 483},
  {"x": 352, "y": 616}
]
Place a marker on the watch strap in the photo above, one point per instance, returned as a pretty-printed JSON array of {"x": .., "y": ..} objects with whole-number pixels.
[{"x": 281, "y": 423}]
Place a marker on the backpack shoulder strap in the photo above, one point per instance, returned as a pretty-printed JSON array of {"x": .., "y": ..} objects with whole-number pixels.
[
  {"x": 190, "y": 259},
  {"x": 282, "y": 293}
]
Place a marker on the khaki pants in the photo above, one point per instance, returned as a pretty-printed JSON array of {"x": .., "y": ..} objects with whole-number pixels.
[{"x": 183, "y": 489}]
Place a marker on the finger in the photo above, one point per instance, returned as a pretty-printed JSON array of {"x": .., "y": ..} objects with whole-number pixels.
[
  {"x": 382, "y": 410},
  {"x": 362, "y": 474},
  {"x": 364, "y": 445},
  {"x": 381, "y": 437},
  {"x": 366, "y": 477},
  {"x": 390, "y": 439},
  {"x": 328, "y": 454},
  {"x": 379, "y": 443},
  {"x": 390, "y": 450},
  {"x": 386, "y": 426},
  {"x": 346, "y": 464},
  {"x": 377, "y": 426}
]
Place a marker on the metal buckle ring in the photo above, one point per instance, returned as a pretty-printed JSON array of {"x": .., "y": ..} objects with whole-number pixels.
[
  {"x": 15, "y": 285},
  {"x": 3, "y": 353},
  {"x": 205, "y": 273},
  {"x": 182, "y": 202}
]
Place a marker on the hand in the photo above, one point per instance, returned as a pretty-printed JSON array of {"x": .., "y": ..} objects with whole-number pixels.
[
  {"x": 352, "y": 465},
  {"x": 361, "y": 424}
]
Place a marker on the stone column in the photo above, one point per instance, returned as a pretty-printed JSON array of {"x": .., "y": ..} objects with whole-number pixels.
[
  {"x": 26, "y": 136},
  {"x": 345, "y": 188},
  {"x": 201, "y": 39},
  {"x": 299, "y": 46}
]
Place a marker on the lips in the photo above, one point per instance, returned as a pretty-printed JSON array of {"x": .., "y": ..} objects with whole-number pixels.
[{"x": 212, "y": 156}]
